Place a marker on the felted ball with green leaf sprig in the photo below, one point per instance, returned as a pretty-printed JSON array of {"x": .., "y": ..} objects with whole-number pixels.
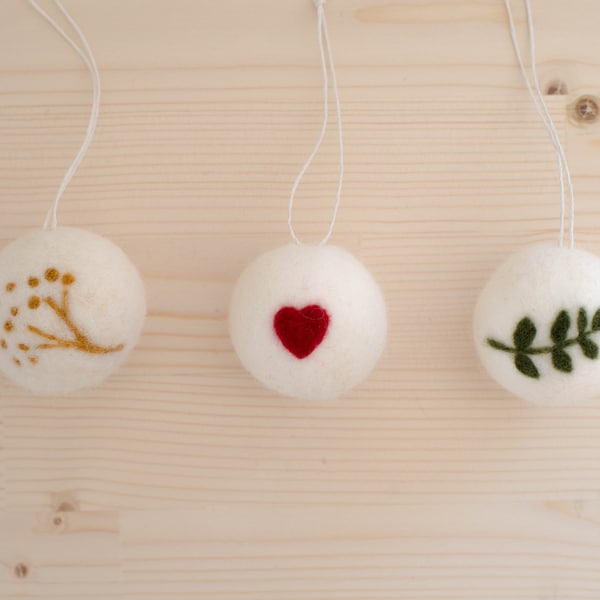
[{"x": 537, "y": 325}]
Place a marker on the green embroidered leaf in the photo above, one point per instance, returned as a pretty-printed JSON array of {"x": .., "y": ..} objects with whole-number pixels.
[
  {"x": 524, "y": 334},
  {"x": 589, "y": 348},
  {"x": 561, "y": 361},
  {"x": 560, "y": 327},
  {"x": 526, "y": 366},
  {"x": 582, "y": 321},
  {"x": 498, "y": 345}
]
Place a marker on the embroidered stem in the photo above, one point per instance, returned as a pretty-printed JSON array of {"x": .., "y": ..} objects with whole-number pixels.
[
  {"x": 525, "y": 333},
  {"x": 81, "y": 341},
  {"x": 542, "y": 349}
]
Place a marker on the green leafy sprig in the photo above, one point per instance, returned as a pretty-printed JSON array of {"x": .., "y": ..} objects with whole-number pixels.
[{"x": 525, "y": 332}]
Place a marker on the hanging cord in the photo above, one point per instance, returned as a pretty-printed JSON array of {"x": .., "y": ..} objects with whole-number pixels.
[
  {"x": 542, "y": 111},
  {"x": 324, "y": 47},
  {"x": 88, "y": 58}
]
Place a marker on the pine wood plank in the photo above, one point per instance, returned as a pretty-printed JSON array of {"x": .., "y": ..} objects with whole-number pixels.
[
  {"x": 491, "y": 551},
  {"x": 60, "y": 555},
  {"x": 181, "y": 477}
]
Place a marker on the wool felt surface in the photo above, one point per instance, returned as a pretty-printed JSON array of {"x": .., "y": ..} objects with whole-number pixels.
[
  {"x": 72, "y": 306},
  {"x": 537, "y": 325},
  {"x": 308, "y": 321}
]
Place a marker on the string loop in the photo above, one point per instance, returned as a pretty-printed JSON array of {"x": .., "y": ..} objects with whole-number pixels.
[
  {"x": 87, "y": 57},
  {"x": 533, "y": 87},
  {"x": 326, "y": 58}
]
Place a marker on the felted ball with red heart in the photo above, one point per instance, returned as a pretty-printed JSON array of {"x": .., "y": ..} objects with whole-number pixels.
[
  {"x": 72, "y": 307},
  {"x": 537, "y": 325},
  {"x": 308, "y": 321}
]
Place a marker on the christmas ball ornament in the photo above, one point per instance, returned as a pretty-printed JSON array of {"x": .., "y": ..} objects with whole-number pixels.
[
  {"x": 308, "y": 321},
  {"x": 537, "y": 325},
  {"x": 72, "y": 307}
]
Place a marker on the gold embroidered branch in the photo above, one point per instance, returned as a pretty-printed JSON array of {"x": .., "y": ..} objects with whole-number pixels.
[{"x": 78, "y": 340}]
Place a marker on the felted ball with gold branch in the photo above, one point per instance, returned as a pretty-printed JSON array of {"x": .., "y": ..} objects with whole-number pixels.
[
  {"x": 71, "y": 309},
  {"x": 72, "y": 304}
]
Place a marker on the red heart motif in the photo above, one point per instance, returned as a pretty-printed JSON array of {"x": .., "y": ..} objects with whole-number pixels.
[{"x": 301, "y": 330}]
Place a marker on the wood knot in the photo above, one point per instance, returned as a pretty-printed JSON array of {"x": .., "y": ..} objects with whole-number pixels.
[
  {"x": 557, "y": 87},
  {"x": 585, "y": 109},
  {"x": 64, "y": 502},
  {"x": 21, "y": 570},
  {"x": 57, "y": 521}
]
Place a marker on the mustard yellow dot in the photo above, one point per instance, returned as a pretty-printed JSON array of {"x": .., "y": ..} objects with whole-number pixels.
[
  {"x": 24, "y": 347},
  {"x": 8, "y": 326},
  {"x": 10, "y": 287},
  {"x": 51, "y": 274},
  {"x": 68, "y": 279},
  {"x": 33, "y": 360},
  {"x": 3, "y": 344},
  {"x": 14, "y": 311},
  {"x": 34, "y": 302},
  {"x": 17, "y": 362},
  {"x": 33, "y": 282}
]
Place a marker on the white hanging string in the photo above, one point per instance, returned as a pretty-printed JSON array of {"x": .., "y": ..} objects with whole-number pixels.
[
  {"x": 326, "y": 57},
  {"x": 542, "y": 111},
  {"x": 88, "y": 58}
]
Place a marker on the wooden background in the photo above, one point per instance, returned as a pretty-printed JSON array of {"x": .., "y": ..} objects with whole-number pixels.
[{"x": 181, "y": 478}]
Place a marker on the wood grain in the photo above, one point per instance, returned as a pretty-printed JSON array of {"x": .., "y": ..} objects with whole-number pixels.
[
  {"x": 181, "y": 477},
  {"x": 466, "y": 551},
  {"x": 60, "y": 555}
]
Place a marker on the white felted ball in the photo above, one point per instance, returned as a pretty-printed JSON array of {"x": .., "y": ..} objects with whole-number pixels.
[
  {"x": 537, "y": 325},
  {"x": 308, "y": 321},
  {"x": 72, "y": 307}
]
